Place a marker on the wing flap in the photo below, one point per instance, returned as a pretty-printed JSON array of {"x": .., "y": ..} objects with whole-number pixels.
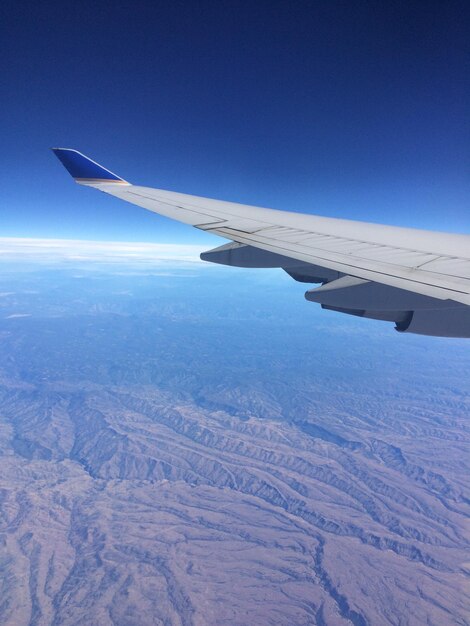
[{"x": 396, "y": 275}]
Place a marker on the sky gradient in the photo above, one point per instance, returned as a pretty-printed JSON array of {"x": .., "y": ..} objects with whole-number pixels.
[{"x": 356, "y": 110}]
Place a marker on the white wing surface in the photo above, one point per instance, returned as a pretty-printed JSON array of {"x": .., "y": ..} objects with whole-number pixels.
[{"x": 418, "y": 279}]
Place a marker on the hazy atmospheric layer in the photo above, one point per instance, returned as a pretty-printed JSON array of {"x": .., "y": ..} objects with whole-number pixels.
[{"x": 189, "y": 444}]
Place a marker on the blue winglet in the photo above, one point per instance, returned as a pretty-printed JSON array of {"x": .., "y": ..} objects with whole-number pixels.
[{"x": 83, "y": 169}]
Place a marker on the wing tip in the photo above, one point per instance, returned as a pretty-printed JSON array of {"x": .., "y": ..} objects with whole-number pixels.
[{"x": 83, "y": 169}]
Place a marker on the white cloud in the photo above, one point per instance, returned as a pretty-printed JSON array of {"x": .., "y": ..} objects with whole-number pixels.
[{"x": 77, "y": 251}]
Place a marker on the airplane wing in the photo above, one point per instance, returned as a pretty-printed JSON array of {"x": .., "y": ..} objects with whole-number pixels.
[{"x": 418, "y": 279}]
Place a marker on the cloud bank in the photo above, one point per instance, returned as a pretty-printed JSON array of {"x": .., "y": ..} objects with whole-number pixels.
[{"x": 75, "y": 250}]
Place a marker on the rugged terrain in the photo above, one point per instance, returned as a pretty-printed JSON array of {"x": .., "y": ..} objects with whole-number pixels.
[{"x": 199, "y": 446}]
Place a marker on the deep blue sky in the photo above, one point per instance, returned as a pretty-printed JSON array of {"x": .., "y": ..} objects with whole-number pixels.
[{"x": 351, "y": 109}]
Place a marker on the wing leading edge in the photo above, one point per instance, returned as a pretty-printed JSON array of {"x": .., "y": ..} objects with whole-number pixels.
[{"x": 418, "y": 279}]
